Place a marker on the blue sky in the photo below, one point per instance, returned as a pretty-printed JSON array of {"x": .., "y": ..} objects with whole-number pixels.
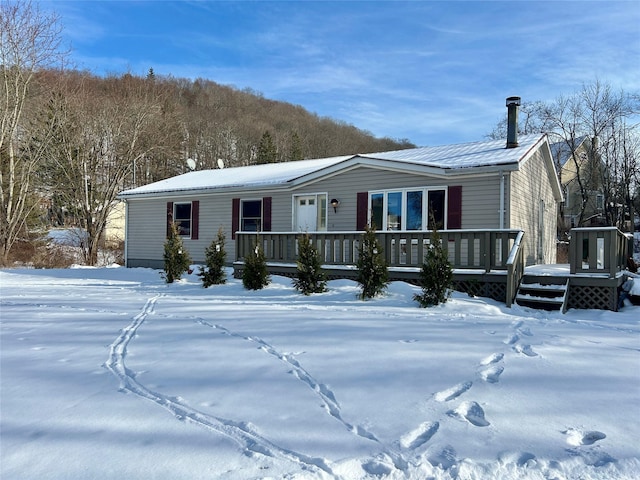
[{"x": 432, "y": 72}]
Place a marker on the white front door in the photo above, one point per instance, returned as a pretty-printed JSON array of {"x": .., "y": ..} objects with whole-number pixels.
[{"x": 306, "y": 214}]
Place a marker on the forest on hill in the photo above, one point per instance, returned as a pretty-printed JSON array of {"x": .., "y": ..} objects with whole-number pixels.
[{"x": 70, "y": 140}]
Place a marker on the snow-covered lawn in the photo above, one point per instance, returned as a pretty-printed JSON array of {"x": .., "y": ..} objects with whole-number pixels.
[{"x": 109, "y": 373}]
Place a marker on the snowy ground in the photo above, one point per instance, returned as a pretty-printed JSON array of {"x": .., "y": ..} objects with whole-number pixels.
[{"x": 109, "y": 373}]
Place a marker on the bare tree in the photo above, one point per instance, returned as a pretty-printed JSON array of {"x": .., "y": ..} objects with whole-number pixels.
[
  {"x": 29, "y": 41},
  {"x": 100, "y": 136},
  {"x": 599, "y": 114}
]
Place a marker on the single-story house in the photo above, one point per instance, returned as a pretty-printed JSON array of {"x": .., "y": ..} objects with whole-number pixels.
[{"x": 483, "y": 185}]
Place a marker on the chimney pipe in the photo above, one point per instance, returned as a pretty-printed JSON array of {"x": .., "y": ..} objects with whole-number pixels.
[{"x": 512, "y": 121}]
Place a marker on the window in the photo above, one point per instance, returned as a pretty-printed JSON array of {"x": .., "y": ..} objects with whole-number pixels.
[
  {"x": 600, "y": 201},
  {"x": 408, "y": 209},
  {"x": 182, "y": 218},
  {"x": 251, "y": 216},
  {"x": 436, "y": 210},
  {"x": 414, "y": 210}
]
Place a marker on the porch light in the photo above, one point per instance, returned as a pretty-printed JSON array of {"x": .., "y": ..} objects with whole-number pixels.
[{"x": 334, "y": 203}]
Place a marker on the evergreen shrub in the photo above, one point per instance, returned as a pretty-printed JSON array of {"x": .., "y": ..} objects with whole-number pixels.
[
  {"x": 176, "y": 257},
  {"x": 436, "y": 274},
  {"x": 215, "y": 256},
  {"x": 373, "y": 275},
  {"x": 310, "y": 278},
  {"x": 255, "y": 275}
]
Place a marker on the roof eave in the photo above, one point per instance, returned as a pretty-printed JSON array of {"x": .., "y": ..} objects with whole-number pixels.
[{"x": 205, "y": 191}]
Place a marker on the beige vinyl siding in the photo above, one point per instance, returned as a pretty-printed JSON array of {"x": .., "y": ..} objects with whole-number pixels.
[
  {"x": 146, "y": 222},
  {"x": 480, "y": 194},
  {"x": 146, "y": 228},
  {"x": 529, "y": 185},
  {"x": 146, "y": 232}
]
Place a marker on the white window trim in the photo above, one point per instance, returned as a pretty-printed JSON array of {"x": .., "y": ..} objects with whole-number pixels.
[
  {"x": 175, "y": 219},
  {"x": 425, "y": 208},
  {"x": 317, "y": 195},
  {"x": 242, "y": 200}
]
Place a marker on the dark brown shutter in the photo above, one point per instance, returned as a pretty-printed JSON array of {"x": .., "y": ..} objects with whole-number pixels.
[
  {"x": 235, "y": 217},
  {"x": 169, "y": 217},
  {"x": 195, "y": 219},
  {"x": 454, "y": 207},
  {"x": 266, "y": 214},
  {"x": 362, "y": 210}
]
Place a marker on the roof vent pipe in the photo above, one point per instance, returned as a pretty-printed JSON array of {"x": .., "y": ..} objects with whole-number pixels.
[{"x": 512, "y": 121}]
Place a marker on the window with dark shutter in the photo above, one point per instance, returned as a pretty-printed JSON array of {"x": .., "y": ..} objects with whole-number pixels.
[
  {"x": 235, "y": 217},
  {"x": 454, "y": 207},
  {"x": 195, "y": 219},
  {"x": 169, "y": 217},
  {"x": 362, "y": 210},
  {"x": 266, "y": 214}
]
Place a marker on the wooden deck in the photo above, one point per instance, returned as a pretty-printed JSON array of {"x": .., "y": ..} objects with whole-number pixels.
[{"x": 487, "y": 263}]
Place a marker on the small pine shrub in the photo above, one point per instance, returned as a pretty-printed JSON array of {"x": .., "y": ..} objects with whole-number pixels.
[
  {"x": 436, "y": 275},
  {"x": 215, "y": 256},
  {"x": 373, "y": 275},
  {"x": 310, "y": 277},
  {"x": 176, "y": 257},
  {"x": 255, "y": 275}
]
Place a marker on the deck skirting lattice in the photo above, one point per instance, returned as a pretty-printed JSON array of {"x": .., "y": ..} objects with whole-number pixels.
[
  {"x": 593, "y": 297},
  {"x": 479, "y": 288}
]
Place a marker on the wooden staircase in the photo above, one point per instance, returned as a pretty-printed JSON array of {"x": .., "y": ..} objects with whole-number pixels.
[{"x": 543, "y": 293}]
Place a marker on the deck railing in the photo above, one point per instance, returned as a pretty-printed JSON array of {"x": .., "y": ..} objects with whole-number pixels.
[
  {"x": 485, "y": 250},
  {"x": 601, "y": 250}
]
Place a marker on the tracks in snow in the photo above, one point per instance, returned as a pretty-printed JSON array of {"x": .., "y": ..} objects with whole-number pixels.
[
  {"x": 327, "y": 396},
  {"x": 241, "y": 432},
  {"x": 403, "y": 452}
]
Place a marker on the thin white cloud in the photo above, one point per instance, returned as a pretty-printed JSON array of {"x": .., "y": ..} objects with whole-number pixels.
[{"x": 423, "y": 68}]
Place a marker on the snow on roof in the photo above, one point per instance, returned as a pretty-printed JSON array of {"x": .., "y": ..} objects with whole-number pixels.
[
  {"x": 449, "y": 157},
  {"x": 464, "y": 155},
  {"x": 561, "y": 151},
  {"x": 236, "y": 177}
]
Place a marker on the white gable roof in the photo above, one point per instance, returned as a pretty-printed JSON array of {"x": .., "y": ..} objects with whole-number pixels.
[
  {"x": 447, "y": 158},
  {"x": 464, "y": 155},
  {"x": 237, "y": 177}
]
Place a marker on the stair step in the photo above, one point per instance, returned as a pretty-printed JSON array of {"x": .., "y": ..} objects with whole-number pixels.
[
  {"x": 543, "y": 296},
  {"x": 532, "y": 298},
  {"x": 542, "y": 287}
]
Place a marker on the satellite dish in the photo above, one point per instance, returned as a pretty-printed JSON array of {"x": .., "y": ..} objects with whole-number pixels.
[
  {"x": 191, "y": 163},
  {"x": 220, "y": 163}
]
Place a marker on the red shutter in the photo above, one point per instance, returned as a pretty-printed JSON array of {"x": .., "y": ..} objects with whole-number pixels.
[
  {"x": 195, "y": 219},
  {"x": 362, "y": 210},
  {"x": 454, "y": 207},
  {"x": 266, "y": 214},
  {"x": 235, "y": 217},
  {"x": 169, "y": 217}
]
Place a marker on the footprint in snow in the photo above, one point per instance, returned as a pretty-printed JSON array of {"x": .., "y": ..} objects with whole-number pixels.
[
  {"x": 511, "y": 339},
  {"x": 577, "y": 437},
  {"x": 444, "y": 459},
  {"x": 471, "y": 412},
  {"x": 525, "y": 331},
  {"x": 492, "y": 373},
  {"x": 419, "y": 436},
  {"x": 493, "y": 358},
  {"x": 453, "y": 392},
  {"x": 525, "y": 350},
  {"x": 521, "y": 459}
]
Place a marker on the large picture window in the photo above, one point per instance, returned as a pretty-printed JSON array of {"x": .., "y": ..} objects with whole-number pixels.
[{"x": 410, "y": 209}]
